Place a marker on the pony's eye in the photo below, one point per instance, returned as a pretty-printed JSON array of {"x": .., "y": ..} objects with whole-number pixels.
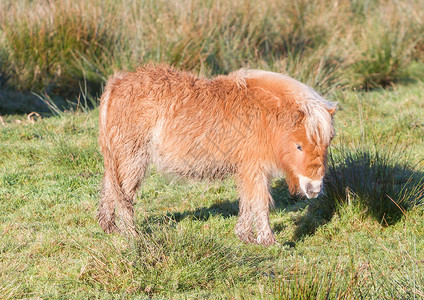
[{"x": 299, "y": 147}]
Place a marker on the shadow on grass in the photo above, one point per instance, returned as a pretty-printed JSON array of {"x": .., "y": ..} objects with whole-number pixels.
[
  {"x": 224, "y": 208},
  {"x": 382, "y": 183},
  {"x": 229, "y": 208},
  {"x": 15, "y": 102}
]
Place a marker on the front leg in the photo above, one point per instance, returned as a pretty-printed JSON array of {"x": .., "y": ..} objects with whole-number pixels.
[
  {"x": 265, "y": 235},
  {"x": 244, "y": 226},
  {"x": 255, "y": 201}
]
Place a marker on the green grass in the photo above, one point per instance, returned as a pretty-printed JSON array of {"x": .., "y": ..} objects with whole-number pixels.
[
  {"x": 349, "y": 244},
  {"x": 361, "y": 240}
]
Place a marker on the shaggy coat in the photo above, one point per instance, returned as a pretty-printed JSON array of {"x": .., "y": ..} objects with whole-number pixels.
[{"x": 251, "y": 123}]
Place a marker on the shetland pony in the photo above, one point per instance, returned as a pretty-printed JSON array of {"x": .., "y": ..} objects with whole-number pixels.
[{"x": 251, "y": 123}]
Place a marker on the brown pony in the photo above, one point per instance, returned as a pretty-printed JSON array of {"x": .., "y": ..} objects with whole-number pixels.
[{"x": 251, "y": 123}]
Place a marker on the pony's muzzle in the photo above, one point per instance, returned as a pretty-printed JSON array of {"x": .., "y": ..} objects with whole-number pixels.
[{"x": 310, "y": 188}]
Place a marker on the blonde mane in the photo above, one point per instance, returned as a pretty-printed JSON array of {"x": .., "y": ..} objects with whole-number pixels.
[{"x": 319, "y": 124}]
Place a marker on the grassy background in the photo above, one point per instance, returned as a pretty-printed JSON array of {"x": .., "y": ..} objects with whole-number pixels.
[
  {"x": 363, "y": 239},
  {"x": 54, "y": 46}
]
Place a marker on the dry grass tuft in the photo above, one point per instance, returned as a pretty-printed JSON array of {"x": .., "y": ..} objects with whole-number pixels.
[{"x": 53, "y": 46}]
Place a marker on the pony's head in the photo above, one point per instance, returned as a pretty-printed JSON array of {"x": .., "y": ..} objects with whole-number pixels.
[
  {"x": 303, "y": 128},
  {"x": 303, "y": 155}
]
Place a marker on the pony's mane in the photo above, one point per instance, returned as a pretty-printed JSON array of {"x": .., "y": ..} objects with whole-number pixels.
[{"x": 318, "y": 120}]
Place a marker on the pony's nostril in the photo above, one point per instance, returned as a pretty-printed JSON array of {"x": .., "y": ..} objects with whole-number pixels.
[
  {"x": 310, "y": 188},
  {"x": 313, "y": 189}
]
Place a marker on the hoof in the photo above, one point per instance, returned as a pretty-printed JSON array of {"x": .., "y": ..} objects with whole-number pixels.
[
  {"x": 131, "y": 233},
  {"x": 108, "y": 226},
  {"x": 248, "y": 237},
  {"x": 245, "y": 234},
  {"x": 266, "y": 240}
]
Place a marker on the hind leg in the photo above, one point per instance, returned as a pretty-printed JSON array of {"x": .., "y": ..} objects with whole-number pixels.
[
  {"x": 106, "y": 212},
  {"x": 131, "y": 172},
  {"x": 120, "y": 184}
]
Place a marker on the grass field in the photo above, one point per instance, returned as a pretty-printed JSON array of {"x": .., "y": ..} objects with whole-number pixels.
[
  {"x": 51, "y": 244},
  {"x": 364, "y": 239}
]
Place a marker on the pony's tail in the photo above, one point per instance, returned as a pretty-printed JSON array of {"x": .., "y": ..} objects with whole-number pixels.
[{"x": 111, "y": 190}]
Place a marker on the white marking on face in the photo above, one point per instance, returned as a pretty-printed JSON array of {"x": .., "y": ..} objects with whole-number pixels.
[{"x": 310, "y": 188}]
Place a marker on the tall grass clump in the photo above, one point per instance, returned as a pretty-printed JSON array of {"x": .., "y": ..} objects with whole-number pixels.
[
  {"x": 347, "y": 279},
  {"x": 52, "y": 46},
  {"x": 217, "y": 37},
  {"x": 386, "y": 51},
  {"x": 378, "y": 179},
  {"x": 318, "y": 281}
]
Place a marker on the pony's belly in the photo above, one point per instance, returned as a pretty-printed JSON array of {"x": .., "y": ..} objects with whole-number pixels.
[
  {"x": 189, "y": 153},
  {"x": 191, "y": 164}
]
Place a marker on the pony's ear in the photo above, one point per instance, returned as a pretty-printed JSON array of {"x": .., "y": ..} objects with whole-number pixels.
[
  {"x": 298, "y": 117},
  {"x": 332, "y": 110}
]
